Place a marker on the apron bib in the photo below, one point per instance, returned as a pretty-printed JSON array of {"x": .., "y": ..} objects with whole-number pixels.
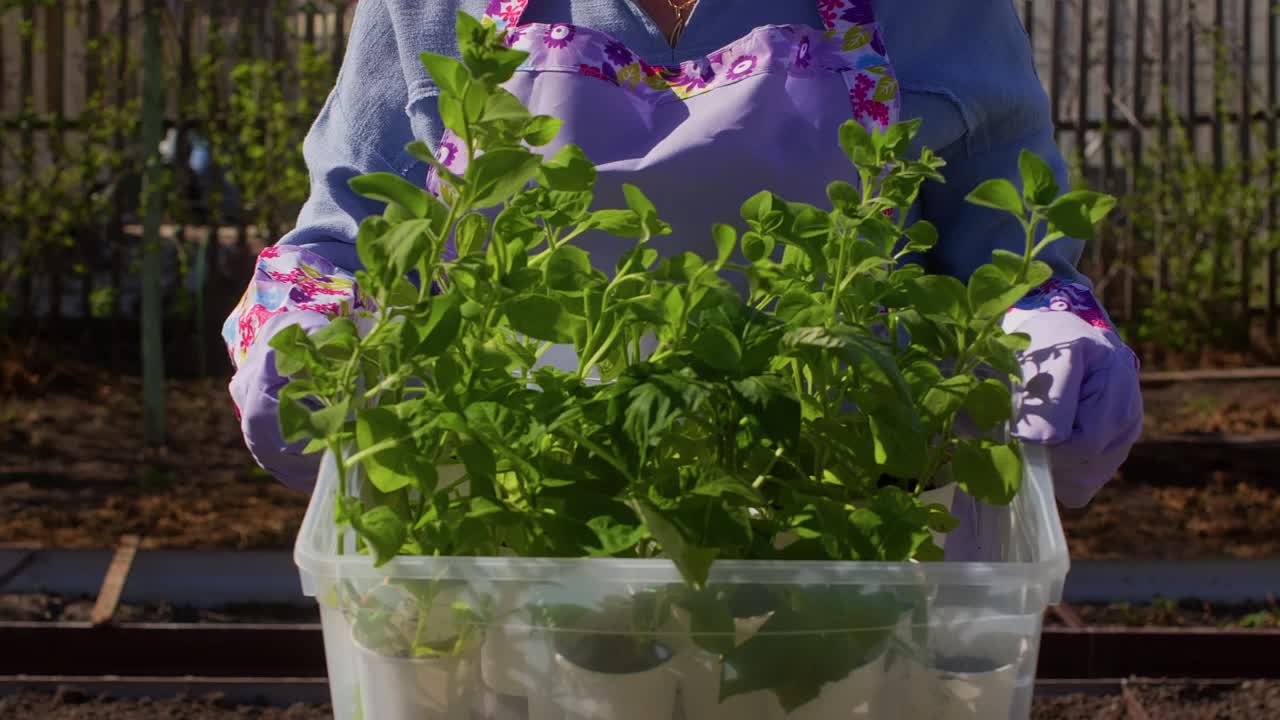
[{"x": 699, "y": 138}]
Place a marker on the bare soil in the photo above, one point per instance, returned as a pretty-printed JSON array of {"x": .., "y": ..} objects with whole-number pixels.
[
  {"x": 1176, "y": 614},
  {"x": 39, "y": 607},
  {"x": 1253, "y": 700},
  {"x": 1242, "y": 407},
  {"x": 71, "y": 704},
  {"x": 1227, "y": 517},
  {"x": 1079, "y": 707}
]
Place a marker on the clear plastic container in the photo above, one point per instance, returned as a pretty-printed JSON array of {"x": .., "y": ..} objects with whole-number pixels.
[{"x": 600, "y": 639}]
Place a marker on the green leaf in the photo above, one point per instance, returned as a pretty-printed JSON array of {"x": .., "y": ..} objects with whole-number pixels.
[
  {"x": 990, "y": 404},
  {"x": 758, "y": 206},
  {"x": 726, "y": 239},
  {"x": 1000, "y": 354},
  {"x": 568, "y": 170},
  {"x": 568, "y": 269},
  {"x": 989, "y": 472},
  {"x": 640, "y": 203},
  {"x": 897, "y": 434},
  {"x": 858, "y": 145},
  {"x": 392, "y": 189},
  {"x": 615, "y": 538},
  {"x": 294, "y": 350},
  {"x": 991, "y": 293},
  {"x": 502, "y": 106},
  {"x": 694, "y": 563},
  {"x": 921, "y": 237},
  {"x": 442, "y": 326},
  {"x": 1017, "y": 342},
  {"x": 1076, "y": 213},
  {"x": 1010, "y": 263},
  {"x": 541, "y": 130},
  {"x": 472, "y": 234},
  {"x": 514, "y": 228},
  {"x": 756, "y": 247},
  {"x": 717, "y": 347},
  {"x": 844, "y": 197},
  {"x": 897, "y": 139},
  {"x": 450, "y": 74},
  {"x": 948, "y": 396},
  {"x": 497, "y": 175},
  {"x": 998, "y": 194},
  {"x": 383, "y": 530},
  {"x": 538, "y": 316},
  {"x": 452, "y": 113},
  {"x": 337, "y": 339},
  {"x": 392, "y": 468},
  {"x": 939, "y": 295},
  {"x": 1039, "y": 187},
  {"x": 406, "y": 245},
  {"x": 619, "y": 223},
  {"x": 481, "y": 466}
]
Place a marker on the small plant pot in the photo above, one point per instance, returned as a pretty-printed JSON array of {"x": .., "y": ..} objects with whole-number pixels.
[
  {"x": 700, "y": 672},
  {"x": 700, "y": 677},
  {"x": 869, "y": 692},
  {"x": 608, "y": 677},
  {"x": 865, "y": 693},
  {"x": 393, "y": 683},
  {"x": 860, "y": 694},
  {"x": 516, "y": 657},
  {"x": 970, "y": 669},
  {"x": 432, "y": 688},
  {"x": 944, "y": 496}
]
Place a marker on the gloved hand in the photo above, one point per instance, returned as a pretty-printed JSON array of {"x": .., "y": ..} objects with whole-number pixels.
[
  {"x": 1080, "y": 395},
  {"x": 291, "y": 286},
  {"x": 255, "y": 389}
]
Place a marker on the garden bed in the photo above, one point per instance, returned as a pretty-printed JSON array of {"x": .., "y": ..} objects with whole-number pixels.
[
  {"x": 1174, "y": 614},
  {"x": 1258, "y": 699},
  {"x": 74, "y": 705},
  {"x": 1161, "y": 701},
  {"x": 40, "y": 607}
]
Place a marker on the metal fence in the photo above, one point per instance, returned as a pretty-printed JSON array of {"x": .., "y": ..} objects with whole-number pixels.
[{"x": 1124, "y": 79}]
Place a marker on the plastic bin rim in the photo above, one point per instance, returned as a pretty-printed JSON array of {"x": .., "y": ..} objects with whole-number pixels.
[
  {"x": 1050, "y": 570},
  {"x": 663, "y": 571}
]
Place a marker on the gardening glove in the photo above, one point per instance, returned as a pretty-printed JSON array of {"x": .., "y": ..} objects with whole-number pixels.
[
  {"x": 1079, "y": 394},
  {"x": 291, "y": 286}
]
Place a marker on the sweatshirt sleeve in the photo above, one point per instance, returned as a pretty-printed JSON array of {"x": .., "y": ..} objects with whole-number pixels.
[
  {"x": 363, "y": 127},
  {"x": 976, "y": 58}
]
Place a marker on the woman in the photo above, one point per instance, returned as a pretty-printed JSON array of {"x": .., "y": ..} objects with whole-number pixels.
[{"x": 702, "y": 103}]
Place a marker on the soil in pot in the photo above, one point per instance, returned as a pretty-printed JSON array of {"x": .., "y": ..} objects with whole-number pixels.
[
  {"x": 970, "y": 669},
  {"x": 608, "y": 676},
  {"x": 613, "y": 654}
]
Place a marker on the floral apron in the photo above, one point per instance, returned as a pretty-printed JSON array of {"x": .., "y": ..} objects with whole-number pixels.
[{"x": 701, "y": 137}]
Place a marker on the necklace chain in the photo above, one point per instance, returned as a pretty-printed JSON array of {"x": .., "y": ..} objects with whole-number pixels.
[{"x": 682, "y": 17}]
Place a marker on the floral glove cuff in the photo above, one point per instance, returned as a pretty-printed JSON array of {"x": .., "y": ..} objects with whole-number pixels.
[{"x": 289, "y": 278}]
